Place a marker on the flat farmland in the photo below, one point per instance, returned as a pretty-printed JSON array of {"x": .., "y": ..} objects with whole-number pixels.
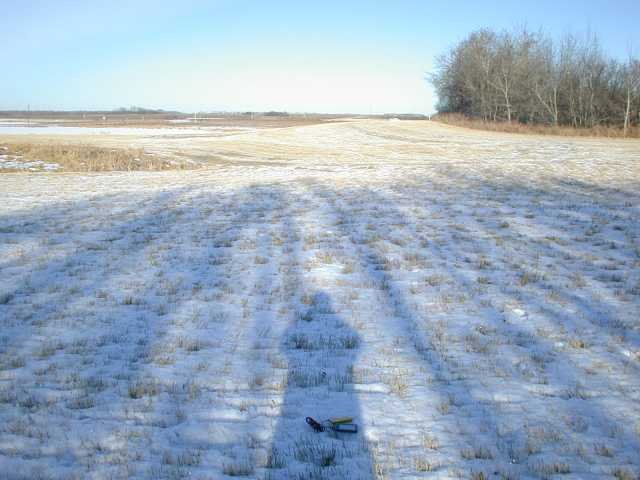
[{"x": 471, "y": 299}]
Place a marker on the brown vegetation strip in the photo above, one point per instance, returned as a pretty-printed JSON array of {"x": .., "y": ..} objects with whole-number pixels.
[
  {"x": 461, "y": 120},
  {"x": 87, "y": 158}
]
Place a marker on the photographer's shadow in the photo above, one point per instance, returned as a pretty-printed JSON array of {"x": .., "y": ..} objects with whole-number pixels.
[{"x": 321, "y": 349}]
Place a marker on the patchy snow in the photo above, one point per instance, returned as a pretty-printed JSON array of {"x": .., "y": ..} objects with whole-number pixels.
[
  {"x": 475, "y": 318},
  {"x": 16, "y": 162}
]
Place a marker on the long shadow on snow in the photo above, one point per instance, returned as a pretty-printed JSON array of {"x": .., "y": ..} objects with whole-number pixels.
[
  {"x": 186, "y": 432},
  {"x": 86, "y": 255},
  {"x": 92, "y": 318},
  {"x": 577, "y": 204},
  {"x": 567, "y": 368},
  {"x": 463, "y": 391},
  {"x": 130, "y": 331}
]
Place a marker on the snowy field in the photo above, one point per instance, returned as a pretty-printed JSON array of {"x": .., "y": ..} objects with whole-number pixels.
[
  {"x": 472, "y": 299},
  {"x": 8, "y": 127}
]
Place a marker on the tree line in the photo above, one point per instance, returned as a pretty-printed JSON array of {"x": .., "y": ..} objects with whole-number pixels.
[{"x": 528, "y": 77}]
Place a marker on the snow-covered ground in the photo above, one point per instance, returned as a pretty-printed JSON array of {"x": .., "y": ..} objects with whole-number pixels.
[{"x": 472, "y": 299}]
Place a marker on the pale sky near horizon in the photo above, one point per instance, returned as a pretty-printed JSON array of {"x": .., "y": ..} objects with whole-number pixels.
[{"x": 330, "y": 56}]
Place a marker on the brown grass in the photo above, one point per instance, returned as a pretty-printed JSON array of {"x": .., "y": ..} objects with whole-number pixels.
[
  {"x": 87, "y": 158},
  {"x": 460, "y": 120}
]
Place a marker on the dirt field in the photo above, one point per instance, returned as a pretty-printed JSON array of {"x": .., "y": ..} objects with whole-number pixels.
[{"x": 471, "y": 299}]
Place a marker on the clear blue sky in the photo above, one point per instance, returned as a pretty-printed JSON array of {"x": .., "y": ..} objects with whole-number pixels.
[{"x": 328, "y": 56}]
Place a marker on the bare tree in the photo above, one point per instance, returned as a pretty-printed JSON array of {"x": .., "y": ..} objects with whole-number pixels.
[
  {"x": 503, "y": 76},
  {"x": 547, "y": 73},
  {"x": 631, "y": 76}
]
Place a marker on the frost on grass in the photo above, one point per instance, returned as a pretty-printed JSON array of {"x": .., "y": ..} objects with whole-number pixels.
[{"x": 475, "y": 324}]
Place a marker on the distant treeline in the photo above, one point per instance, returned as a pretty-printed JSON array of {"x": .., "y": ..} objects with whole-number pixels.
[{"x": 530, "y": 78}]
